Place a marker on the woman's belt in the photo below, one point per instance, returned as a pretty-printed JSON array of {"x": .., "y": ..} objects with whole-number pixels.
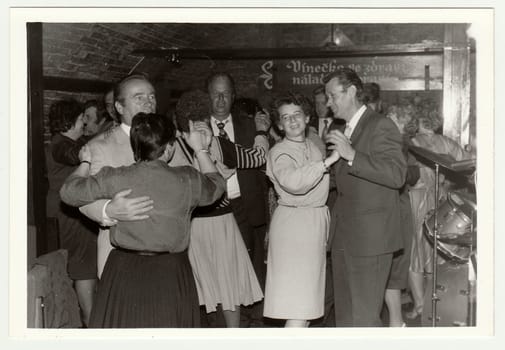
[
  {"x": 302, "y": 206},
  {"x": 141, "y": 252}
]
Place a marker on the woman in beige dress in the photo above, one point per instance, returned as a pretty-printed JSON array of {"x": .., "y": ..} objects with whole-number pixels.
[{"x": 299, "y": 228}]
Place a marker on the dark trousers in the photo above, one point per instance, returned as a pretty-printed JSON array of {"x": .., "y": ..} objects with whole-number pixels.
[
  {"x": 341, "y": 291},
  {"x": 367, "y": 276},
  {"x": 254, "y": 239}
]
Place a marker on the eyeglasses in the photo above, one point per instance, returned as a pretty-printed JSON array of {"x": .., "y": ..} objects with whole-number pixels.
[
  {"x": 226, "y": 94},
  {"x": 288, "y": 117}
]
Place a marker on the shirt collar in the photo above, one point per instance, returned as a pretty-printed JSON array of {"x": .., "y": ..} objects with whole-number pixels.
[
  {"x": 225, "y": 120},
  {"x": 126, "y": 128},
  {"x": 356, "y": 117}
]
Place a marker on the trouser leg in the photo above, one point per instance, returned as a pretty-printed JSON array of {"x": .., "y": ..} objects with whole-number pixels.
[{"x": 367, "y": 281}]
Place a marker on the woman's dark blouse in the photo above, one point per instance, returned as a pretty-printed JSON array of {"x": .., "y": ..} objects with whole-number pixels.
[
  {"x": 62, "y": 157},
  {"x": 176, "y": 191}
]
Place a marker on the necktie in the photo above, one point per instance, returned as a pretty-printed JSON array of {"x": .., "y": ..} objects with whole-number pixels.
[
  {"x": 348, "y": 131},
  {"x": 222, "y": 132},
  {"x": 325, "y": 129}
]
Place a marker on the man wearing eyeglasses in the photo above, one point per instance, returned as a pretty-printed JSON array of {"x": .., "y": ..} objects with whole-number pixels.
[
  {"x": 368, "y": 176},
  {"x": 246, "y": 189}
]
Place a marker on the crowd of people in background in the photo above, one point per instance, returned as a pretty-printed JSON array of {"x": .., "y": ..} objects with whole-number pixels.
[{"x": 227, "y": 213}]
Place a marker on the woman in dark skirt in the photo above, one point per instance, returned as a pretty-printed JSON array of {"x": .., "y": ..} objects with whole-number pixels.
[
  {"x": 147, "y": 280},
  {"x": 77, "y": 234}
]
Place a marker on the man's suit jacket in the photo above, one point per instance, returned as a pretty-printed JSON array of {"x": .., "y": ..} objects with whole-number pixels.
[
  {"x": 367, "y": 208},
  {"x": 252, "y": 182},
  {"x": 113, "y": 149}
]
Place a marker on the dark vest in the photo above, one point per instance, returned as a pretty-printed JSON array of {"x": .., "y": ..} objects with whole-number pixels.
[{"x": 252, "y": 182}]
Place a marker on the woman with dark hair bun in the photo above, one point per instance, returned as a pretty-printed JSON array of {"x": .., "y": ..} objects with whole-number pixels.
[
  {"x": 77, "y": 234},
  {"x": 147, "y": 280}
]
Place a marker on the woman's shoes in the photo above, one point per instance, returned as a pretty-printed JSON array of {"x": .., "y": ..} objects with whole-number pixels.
[{"x": 415, "y": 313}]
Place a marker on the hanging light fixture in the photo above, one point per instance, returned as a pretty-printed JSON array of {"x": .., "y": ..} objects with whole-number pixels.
[{"x": 337, "y": 38}]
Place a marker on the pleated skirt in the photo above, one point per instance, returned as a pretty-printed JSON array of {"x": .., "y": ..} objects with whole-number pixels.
[
  {"x": 221, "y": 265},
  {"x": 137, "y": 291}
]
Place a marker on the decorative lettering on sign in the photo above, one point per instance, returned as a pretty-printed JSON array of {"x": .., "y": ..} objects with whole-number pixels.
[
  {"x": 392, "y": 73},
  {"x": 267, "y": 74},
  {"x": 304, "y": 67}
]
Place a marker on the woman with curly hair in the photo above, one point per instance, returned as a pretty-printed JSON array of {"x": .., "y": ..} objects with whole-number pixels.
[
  {"x": 223, "y": 271},
  {"x": 422, "y": 197},
  {"x": 299, "y": 228},
  {"x": 77, "y": 234}
]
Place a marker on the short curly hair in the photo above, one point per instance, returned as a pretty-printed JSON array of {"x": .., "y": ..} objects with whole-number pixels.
[
  {"x": 430, "y": 121},
  {"x": 63, "y": 115},
  {"x": 290, "y": 97},
  {"x": 406, "y": 112},
  {"x": 192, "y": 105}
]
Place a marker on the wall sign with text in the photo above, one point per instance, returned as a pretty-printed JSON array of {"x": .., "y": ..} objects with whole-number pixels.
[{"x": 423, "y": 72}]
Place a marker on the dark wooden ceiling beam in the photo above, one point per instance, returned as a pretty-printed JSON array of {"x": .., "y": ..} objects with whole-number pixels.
[
  {"x": 286, "y": 53},
  {"x": 75, "y": 85}
]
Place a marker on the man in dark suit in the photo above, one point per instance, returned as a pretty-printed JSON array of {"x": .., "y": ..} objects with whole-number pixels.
[
  {"x": 247, "y": 188},
  {"x": 368, "y": 176}
]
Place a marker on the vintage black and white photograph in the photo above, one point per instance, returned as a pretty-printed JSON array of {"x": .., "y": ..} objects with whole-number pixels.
[{"x": 231, "y": 171}]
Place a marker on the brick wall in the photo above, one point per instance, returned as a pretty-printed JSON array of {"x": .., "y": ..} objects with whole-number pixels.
[{"x": 102, "y": 51}]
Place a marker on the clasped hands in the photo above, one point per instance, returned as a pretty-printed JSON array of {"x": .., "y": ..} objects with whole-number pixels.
[{"x": 341, "y": 144}]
